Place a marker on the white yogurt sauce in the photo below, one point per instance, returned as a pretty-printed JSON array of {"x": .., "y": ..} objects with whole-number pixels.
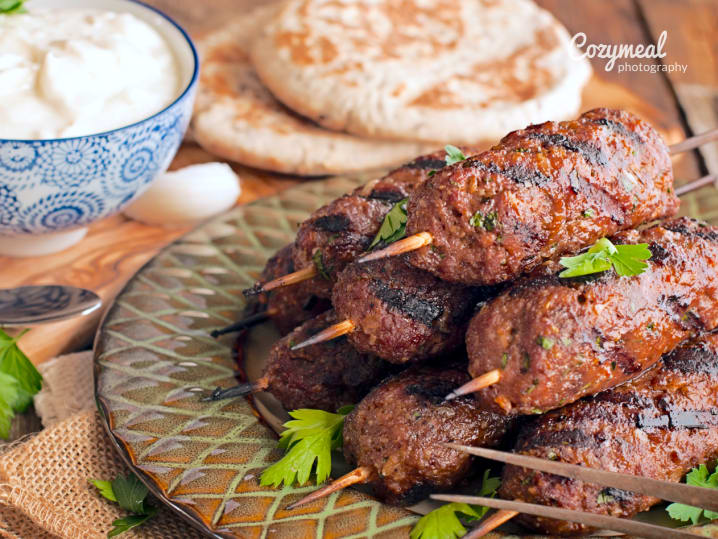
[{"x": 72, "y": 72}]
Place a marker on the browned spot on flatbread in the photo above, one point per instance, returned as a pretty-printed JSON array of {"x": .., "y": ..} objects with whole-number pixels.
[
  {"x": 226, "y": 53},
  {"x": 305, "y": 52},
  {"x": 500, "y": 75}
]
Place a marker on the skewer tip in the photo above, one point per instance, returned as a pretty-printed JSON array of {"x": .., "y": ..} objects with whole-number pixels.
[
  {"x": 358, "y": 475},
  {"x": 491, "y": 523},
  {"x": 239, "y": 390},
  {"x": 411, "y": 243},
  {"x": 332, "y": 332},
  {"x": 485, "y": 380}
]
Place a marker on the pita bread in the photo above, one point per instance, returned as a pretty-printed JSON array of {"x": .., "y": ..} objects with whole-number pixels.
[
  {"x": 458, "y": 71},
  {"x": 237, "y": 118}
]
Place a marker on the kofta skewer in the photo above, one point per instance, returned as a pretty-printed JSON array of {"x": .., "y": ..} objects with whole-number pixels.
[
  {"x": 553, "y": 340},
  {"x": 337, "y": 233},
  {"x": 559, "y": 164},
  {"x": 399, "y": 313},
  {"x": 397, "y": 434},
  {"x": 325, "y": 378},
  {"x": 670, "y": 428}
]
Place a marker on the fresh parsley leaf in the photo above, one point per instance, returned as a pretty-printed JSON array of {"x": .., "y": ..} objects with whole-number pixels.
[
  {"x": 453, "y": 154},
  {"x": 394, "y": 225},
  {"x": 6, "y": 415},
  {"x": 626, "y": 260},
  {"x": 130, "y": 493},
  {"x": 318, "y": 259},
  {"x": 487, "y": 222},
  {"x": 9, "y": 7},
  {"x": 308, "y": 439},
  {"x": 16, "y": 364},
  {"x": 444, "y": 523},
  {"x": 105, "y": 488},
  {"x": 698, "y": 477},
  {"x": 121, "y": 525}
]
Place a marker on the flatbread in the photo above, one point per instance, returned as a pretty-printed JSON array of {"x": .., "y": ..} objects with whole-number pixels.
[
  {"x": 237, "y": 118},
  {"x": 458, "y": 71}
]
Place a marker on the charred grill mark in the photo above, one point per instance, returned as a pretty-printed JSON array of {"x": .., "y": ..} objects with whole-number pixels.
[
  {"x": 618, "y": 127},
  {"x": 679, "y": 419},
  {"x": 421, "y": 310},
  {"x": 332, "y": 223},
  {"x": 426, "y": 164},
  {"x": 591, "y": 192},
  {"x": 434, "y": 393},
  {"x": 589, "y": 152},
  {"x": 388, "y": 196},
  {"x": 538, "y": 438},
  {"x": 616, "y": 495},
  {"x": 699, "y": 230},
  {"x": 517, "y": 173},
  {"x": 696, "y": 359},
  {"x": 658, "y": 252}
]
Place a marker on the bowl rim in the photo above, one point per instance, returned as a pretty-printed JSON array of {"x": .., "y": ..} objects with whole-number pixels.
[{"x": 190, "y": 85}]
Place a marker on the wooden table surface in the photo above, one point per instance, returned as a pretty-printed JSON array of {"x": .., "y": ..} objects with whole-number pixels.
[{"x": 677, "y": 103}]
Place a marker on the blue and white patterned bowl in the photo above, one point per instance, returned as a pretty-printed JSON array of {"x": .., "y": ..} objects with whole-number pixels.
[{"x": 52, "y": 187}]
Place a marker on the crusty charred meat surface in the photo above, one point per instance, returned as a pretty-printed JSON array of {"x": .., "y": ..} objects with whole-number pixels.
[
  {"x": 557, "y": 340},
  {"x": 290, "y": 305},
  {"x": 324, "y": 376},
  {"x": 544, "y": 191},
  {"x": 660, "y": 426},
  {"x": 399, "y": 429},
  {"x": 339, "y": 232},
  {"x": 402, "y": 313}
]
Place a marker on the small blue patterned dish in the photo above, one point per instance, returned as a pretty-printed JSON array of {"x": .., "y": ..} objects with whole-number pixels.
[{"x": 51, "y": 189}]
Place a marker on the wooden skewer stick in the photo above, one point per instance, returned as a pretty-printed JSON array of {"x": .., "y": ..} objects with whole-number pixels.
[
  {"x": 332, "y": 332},
  {"x": 239, "y": 390},
  {"x": 491, "y": 523},
  {"x": 693, "y": 142},
  {"x": 631, "y": 527},
  {"x": 356, "y": 476},
  {"x": 406, "y": 245},
  {"x": 298, "y": 276},
  {"x": 245, "y": 323},
  {"x": 696, "y": 184},
  {"x": 485, "y": 380}
]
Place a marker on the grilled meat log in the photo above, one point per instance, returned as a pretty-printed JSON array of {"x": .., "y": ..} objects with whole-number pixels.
[
  {"x": 326, "y": 376},
  {"x": 399, "y": 429},
  {"x": 401, "y": 313},
  {"x": 339, "y": 232},
  {"x": 660, "y": 426},
  {"x": 557, "y": 340},
  {"x": 544, "y": 191},
  {"x": 289, "y": 306}
]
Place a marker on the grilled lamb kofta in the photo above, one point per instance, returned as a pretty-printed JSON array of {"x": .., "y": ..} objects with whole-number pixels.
[
  {"x": 660, "y": 425},
  {"x": 556, "y": 340},
  {"x": 544, "y": 191},
  {"x": 401, "y": 313},
  {"x": 398, "y": 432},
  {"x": 325, "y": 376},
  {"x": 342, "y": 230}
]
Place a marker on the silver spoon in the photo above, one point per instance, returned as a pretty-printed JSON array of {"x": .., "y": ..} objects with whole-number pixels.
[{"x": 32, "y": 305}]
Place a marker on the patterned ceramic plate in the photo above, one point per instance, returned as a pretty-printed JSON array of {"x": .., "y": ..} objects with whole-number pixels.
[{"x": 153, "y": 356}]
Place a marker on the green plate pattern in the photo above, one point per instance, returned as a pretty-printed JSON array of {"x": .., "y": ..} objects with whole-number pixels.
[{"x": 154, "y": 357}]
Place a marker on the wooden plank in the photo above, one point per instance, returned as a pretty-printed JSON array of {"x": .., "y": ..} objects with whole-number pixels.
[{"x": 691, "y": 27}]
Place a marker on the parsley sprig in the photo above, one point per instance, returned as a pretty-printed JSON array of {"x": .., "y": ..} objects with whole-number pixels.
[
  {"x": 698, "y": 477},
  {"x": 308, "y": 439},
  {"x": 130, "y": 494},
  {"x": 444, "y": 523},
  {"x": 394, "y": 225},
  {"x": 453, "y": 154},
  {"x": 19, "y": 381},
  {"x": 626, "y": 260},
  {"x": 10, "y": 7}
]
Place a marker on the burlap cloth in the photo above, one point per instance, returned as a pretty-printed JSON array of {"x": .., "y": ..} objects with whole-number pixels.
[{"x": 44, "y": 489}]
